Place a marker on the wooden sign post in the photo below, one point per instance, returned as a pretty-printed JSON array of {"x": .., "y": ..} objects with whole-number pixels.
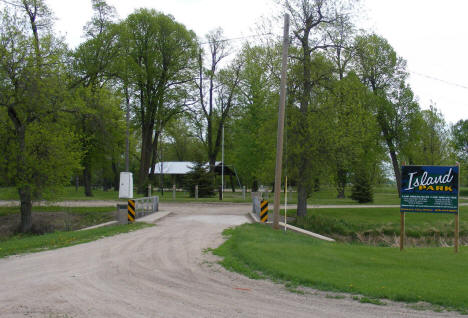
[
  {"x": 457, "y": 225},
  {"x": 402, "y": 230}
]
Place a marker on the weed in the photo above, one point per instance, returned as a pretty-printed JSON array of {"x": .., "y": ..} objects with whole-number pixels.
[
  {"x": 375, "y": 301},
  {"x": 335, "y": 296}
]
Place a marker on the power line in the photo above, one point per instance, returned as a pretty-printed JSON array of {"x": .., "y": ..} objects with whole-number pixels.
[
  {"x": 238, "y": 38},
  {"x": 439, "y": 80}
]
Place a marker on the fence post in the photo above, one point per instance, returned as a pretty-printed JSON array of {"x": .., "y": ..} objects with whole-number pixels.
[
  {"x": 196, "y": 191},
  {"x": 173, "y": 192},
  {"x": 122, "y": 214},
  {"x": 149, "y": 190},
  {"x": 155, "y": 204}
]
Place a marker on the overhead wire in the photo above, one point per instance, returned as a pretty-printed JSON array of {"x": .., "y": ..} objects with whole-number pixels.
[
  {"x": 439, "y": 80},
  {"x": 237, "y": 38}
]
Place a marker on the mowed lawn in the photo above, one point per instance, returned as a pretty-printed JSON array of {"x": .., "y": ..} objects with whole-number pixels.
[{"x": 434, "y": 275}]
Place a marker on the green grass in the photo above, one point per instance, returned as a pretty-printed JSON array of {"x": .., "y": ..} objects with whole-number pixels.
[
  {"x": 347, "y": 221},
  {"x": 433, "y": 275},
  {"x": 385, "y": 194},
  {"x": 20, "y": 244}
]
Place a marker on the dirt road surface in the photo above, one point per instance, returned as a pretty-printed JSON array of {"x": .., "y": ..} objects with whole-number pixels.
[{"x": 162, "y": 272}]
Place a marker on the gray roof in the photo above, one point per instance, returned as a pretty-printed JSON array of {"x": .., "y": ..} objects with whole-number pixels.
[
  {"x": 173, "y": 167},
  {"x": 183, "y": 167}
]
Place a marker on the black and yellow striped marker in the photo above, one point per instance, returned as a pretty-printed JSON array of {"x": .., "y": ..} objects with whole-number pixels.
[
  {"x": 264, "y": 211},
  {"x": 131, "y": 211}
]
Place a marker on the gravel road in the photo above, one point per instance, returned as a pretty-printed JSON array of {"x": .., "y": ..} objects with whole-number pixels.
[{"x": 162, "y": 272}]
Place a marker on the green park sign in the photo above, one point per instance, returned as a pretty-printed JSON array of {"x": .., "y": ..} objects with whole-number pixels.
[{"x": 429, "y": 189}]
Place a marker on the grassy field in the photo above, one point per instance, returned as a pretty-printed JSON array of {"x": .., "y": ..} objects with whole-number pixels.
[
  {"x": 375, "y": 221},
  {"x": 20, "y": 244},
  {"x": 326, "y": 196},
  {"x": 433, "y": 275}
]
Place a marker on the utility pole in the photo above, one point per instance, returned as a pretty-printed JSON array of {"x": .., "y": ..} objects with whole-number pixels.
[
  {"x": 222, "y": 165},
  {"x": 279, "y": 140},
  {"x": 127, "y": 139}
]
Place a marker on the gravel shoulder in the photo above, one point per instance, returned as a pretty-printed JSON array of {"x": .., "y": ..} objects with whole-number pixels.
[{"x": 163, "y": 271}]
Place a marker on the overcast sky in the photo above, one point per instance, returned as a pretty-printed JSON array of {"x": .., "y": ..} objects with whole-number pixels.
[{"x": 432, "y": 35}]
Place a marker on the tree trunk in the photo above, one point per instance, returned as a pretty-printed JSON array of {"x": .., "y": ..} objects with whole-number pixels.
[
  {"x": 116, "y": 179},
  {"x": 77, "y": 183},
  {"x": 26, "y": 207},
  {"x": 87, "y": 182},
  {"x": 154, "y": 155},
  {"x": 341, "y": 183},
  {"x": 212, "y": 162},
  {"x": 396, "y": 167},
  {"x": 232, "y": 183},
  {"x": 25, "y": 190},
  {"x": 301, "y": 200},
  {"x": 145, "y": 160}
]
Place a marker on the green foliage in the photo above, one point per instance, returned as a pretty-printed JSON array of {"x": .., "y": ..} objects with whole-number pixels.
[
  {"x": 353, "y": 132},
  {"x": 38, "y": 150},
  {"x": 308, "y": 129},
  {"x": 459, "y": 144},
  {"x": 180, "y": 142},
  {"x": 200, "y": 176},
  {"x": 51, "y": 157},
  {"x": 253, "y": 138},
  {"x": 394, "y": 105},
  {"x": 158, "y": 63}
]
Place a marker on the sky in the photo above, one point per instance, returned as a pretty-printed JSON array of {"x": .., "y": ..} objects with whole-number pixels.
[{"x": 431, "y": 35}]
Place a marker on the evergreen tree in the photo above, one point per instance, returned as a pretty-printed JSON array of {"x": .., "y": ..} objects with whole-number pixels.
[
  {"x": 361, "y": 190},
  {"x": 200, "y": 176}
]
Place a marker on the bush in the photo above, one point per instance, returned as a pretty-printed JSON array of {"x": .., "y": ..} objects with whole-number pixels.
[{"x": 201, "y": 177}]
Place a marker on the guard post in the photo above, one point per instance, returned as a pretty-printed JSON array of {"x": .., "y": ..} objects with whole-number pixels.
[
  {"x": 131, "y": 211},
  {"x": 264, "y": 211}
]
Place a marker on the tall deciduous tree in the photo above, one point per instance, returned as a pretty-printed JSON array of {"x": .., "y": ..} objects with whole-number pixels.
[
  {"x": 309, "y": 18},
  {"x": 255, "y": 120},
  {"x": 384, "y": 72},
  {"x": 41, "y": 152},
  {"x": 93, "y": 67},
  {"x": 160, "y": 60},
  {"x": 431, "y": 144},
  {"x": 354, "y": 145},
  {"x": 217, "y": 91}
]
